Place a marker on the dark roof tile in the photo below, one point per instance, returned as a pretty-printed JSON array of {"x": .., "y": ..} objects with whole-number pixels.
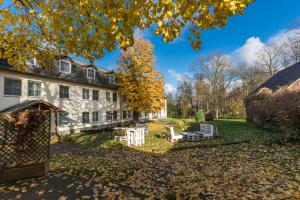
[
  {"x": 78, "y": 75},
  {"x": 282, "y": 78}
]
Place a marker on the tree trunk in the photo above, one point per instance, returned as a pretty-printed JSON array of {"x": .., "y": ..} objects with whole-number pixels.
[
  {"x": 136, "y": 116},
  {"x": 217, "y": 113}
]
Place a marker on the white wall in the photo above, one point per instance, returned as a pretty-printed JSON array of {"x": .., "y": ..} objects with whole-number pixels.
[{"x": 75, "y": 105}]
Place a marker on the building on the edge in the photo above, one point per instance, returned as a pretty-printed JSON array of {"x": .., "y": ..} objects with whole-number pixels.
[{"x": 86, "y": 94}]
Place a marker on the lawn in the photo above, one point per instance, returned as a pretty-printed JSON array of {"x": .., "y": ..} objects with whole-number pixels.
[{"x": 92, "y": 166}]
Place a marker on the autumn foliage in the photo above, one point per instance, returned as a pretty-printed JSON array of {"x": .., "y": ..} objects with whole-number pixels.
[
  {"x": 90, "y": 28},
  {"x": 137, "y": 79}
]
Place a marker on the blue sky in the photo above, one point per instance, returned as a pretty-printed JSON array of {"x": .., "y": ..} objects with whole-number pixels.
[{"x": 262, "y": 21}]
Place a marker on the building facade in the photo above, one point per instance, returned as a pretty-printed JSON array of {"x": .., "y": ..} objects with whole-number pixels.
[{"x": 87, "y": 94}]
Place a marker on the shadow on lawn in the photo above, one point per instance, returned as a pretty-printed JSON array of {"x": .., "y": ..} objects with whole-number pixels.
[
  {"x": 82, "y": 168},
  {"x": 61, "y": 187}
]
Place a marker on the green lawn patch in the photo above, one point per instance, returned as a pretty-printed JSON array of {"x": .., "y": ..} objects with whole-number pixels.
[{"x": 94, "y": 166}]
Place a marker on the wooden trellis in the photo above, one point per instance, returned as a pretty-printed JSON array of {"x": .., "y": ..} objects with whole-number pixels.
[{"x": 24, "y": 147}]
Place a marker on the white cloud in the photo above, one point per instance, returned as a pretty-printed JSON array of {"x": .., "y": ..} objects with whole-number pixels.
[
  {"x": 179, "y": 76},
  {"x": 170, "y": 89},
  {"x": 282, "y": 35},
  {"x": 248, "y": 52}
]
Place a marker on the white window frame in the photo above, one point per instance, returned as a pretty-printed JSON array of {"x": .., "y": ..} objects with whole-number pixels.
[
  {"x": 93, "y": 95},
  {"x": 87, "y": 73},
  {"x": 88, "y": 94},
  {"x": 110, "y": 96},
  {"x": 89, "y": 120},
  {"x": 98, "y": 116},
  {"x": 12, "y": 95},
  {"x": 111, "y": 79},
  {"x": 34, "y": 82},
  {"x": 69, "y": 72},
  {"x": 66, "y": 115},
  {"x": 66, "y": 86}
]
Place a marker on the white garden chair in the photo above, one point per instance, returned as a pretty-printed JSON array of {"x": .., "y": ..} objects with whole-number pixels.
[
  {"x": 206, "y": 131},
  {"x": 173, "y": 137}
]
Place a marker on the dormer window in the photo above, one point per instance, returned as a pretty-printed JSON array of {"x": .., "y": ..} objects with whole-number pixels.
[
  {"x": 31, "y": 62},
  {"x": 65, "y": 66},
  {"x": 111, "y": 79},
  {"x": 91, "y": 73}
]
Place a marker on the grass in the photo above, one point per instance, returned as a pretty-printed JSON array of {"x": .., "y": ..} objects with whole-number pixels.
[
  {"x": 156, "y": 141},
  {"x": 115, "y": 171}
]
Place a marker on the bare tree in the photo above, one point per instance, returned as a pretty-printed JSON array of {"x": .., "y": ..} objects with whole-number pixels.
[
  {"x": 219, "y": 73},
  {"x": 269, "y": 60},
  {"x": 251, "y": 77},
  {"x": 184, "y": 97},
  {"x": 202, "y": 96},
  {"x": 292, "y": 45}
]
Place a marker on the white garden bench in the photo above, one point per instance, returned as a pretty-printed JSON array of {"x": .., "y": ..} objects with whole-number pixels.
[
  {"x": 206, "y": 131},
  {"x": 172, "y": 136}
]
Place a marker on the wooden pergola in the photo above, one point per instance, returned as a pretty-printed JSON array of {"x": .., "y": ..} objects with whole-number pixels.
[{"x": 39, "y": 105}]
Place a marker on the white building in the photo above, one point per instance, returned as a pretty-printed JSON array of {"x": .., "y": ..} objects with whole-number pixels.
[{"x": 86, "y": 94}]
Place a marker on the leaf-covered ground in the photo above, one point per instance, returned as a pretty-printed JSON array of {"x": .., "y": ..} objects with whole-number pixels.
[{"x": 94, "y": 167}]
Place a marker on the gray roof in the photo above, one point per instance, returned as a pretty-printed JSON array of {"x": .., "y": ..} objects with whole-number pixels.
[
  {"x": 78, "y": 75},
  {"x": 284, "y": 77},
  {"x": 30, "y": 104}
]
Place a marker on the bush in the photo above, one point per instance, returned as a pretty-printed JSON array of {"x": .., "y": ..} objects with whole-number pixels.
[
  {"x": 277, "y": 112},
  {"x": 200, "y": 117},
  {"x": 180, "y": 124},
  {"x": 209, "y": 116},
  {"x": 67, "y": 138},
  {"x": 119, "y": 132}
]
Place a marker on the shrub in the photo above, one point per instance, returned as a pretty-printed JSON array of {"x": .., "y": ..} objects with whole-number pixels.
[
  {"x": 67, "y": 138},
  {"x": 209, "y": 116},
  {"x": 119, "y": 132},
  {"x": 181, "y": 124},
  {"x": 200, "y": 117},
  {"x": 277, "y": 112}
]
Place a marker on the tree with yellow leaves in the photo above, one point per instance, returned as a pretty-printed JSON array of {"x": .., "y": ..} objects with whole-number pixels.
[
  {"x": 142, "y": 86},
  {"x": 88, "y": 28}
]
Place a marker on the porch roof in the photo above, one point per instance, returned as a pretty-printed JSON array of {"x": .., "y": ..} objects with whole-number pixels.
[{"x": 31, "y": 104}]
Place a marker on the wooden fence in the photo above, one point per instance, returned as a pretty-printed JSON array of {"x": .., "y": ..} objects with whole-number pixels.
[{"x": 24, "y": 142}]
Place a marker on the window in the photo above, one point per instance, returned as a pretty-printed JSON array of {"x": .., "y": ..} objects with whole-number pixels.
[
  {"x": 85, "y": 117},
  {"x": 124, "y": 114},
  {"x": 124, "y": 98},
  {"x": 95, "y": 95},
  {"x": 108, "y": 115},
  {"x": 115, "y": 115},
  {"x": 95, "y": 116},
  {"x": 34, "y": 89},
  {"x": 111, "y": 79},
  {"x": 115, "y": 97},
  {"x": 146, "y": 115},
  {"x": 91, "y": 73},
  {"x": 63, "y": 119},
  {"x": 63, "y": 92},
  {"x": 85, "y": 94},
  {"x": 31, "y": 62},
  {"x": 108, "y": 98},
  {"x": 129, "y": 114},
  {"x": 65, "y": 66},
  {"x": 12, "y": 87}
]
